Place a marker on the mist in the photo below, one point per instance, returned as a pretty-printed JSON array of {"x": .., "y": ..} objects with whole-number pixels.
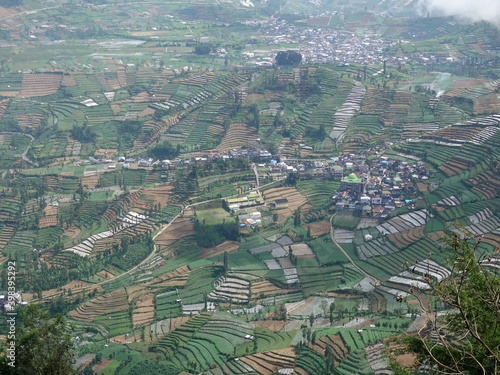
[{"x": 477, "y": 10}]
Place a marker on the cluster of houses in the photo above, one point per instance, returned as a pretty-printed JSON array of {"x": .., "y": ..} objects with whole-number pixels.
[
  {"x": 370, "y": 184},
  {"x": 146, "y": 162},
  {"x": 379, "y": 186},
  {"x": 326, "y": 45},
  {"x": 9, "y": 301}
]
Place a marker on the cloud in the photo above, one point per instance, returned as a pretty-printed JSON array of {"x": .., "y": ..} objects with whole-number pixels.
[{"x": 473, "y": 10}]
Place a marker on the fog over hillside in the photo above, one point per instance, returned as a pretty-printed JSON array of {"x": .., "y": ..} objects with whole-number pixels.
[{"x": 487, "y": 10}]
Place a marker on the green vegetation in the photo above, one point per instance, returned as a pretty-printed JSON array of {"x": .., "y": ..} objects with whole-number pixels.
[
  {"x": 346, "y": 219},
  {"x": 479, "y": 351},
  {"x": 125, "y": 124}
]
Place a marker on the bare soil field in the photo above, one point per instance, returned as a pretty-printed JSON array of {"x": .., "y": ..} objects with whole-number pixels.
[
  {"x": 334, "y": 342},
  {"x": 301, "y": 250},
  {"x": 48, "y": 221},
  {"x": 145, "y": 112},
  {"x": 161, "y": 193},
  {"x": 274, "y": 325},
  {"x": 268, "y": 362},
  {"x": 9, "y": 93},
  {"x": 179, "y": 228},
  {"x": 97, "y": 368},
  {"x": 266, "y": 287},
  {"x": 5, "y": 12},
  {"x": 72, "y": 232},
  {"x": 407, "y": 237},
  {"x": 115, "y": 108},
  {"x": 229, "y": 246},
  {"x": 318, "y": 228},
  {"x": 105, "y": 274},
  {"x": 436, "y": 236},
  {"x": 106, "y": 152},
  {"x": 146, "y": 97},
  {"x": 68, "y": 80},
  {"x": 174, "y": 278},
  {"x": 70, "y": 286},
  {"x": 295, "y": 200},
  {"x": 253, "y": 98},
  {"x": 39, "y": 84},
  {"x": 144, "y": 310},
  {"x": 422, "y": 187},
  {"x": 238, "y": 135},
  {"x": 467, "y": 83},
  {"x": 108, "y": 303},
  {"x": 77, "y": 284},
  {"x": 124, "y": 339},
  {"x": 487, "y": 104},
  {"x": 90, "y": 181}
]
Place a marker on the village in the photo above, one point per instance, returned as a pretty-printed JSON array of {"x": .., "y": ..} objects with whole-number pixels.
[
  {"x": 326, "y": 45},
  {"x": 373, "y": 183}
]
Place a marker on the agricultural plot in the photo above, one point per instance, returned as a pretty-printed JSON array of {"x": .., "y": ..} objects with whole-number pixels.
[
  {"x": 409, "y": 281},
  {"x": 113, "y": 302},
  {"x": 301, "y": 251},
  {"x": 472, "y": 211},
  {"x": 327, "y": 252},
  {"x": 318, "y": 228},
  {"x": 40, "y": 84},
  {"x": 404, "y": 222},
  {"x": 407, "y": 237},
  {"x": 231, "y": 289},
  {"x": 429, "y": 268},
  {"x": 343, "y": 235},
  {"x": 294, "y": 197},
  {"x": 479, "y": 228},
  {"x": 344, "y": 114},
  {"x": 10, "y": 85},
  {"x": 270, "y": 361},
  {"x": 174, "y": 341},
  {"x": 398, "y": 111},
  {"x": 86, "y": 247},
  {"x": 20, "y": 244},
  {"x": 396, "y": 262},
  {"x": 236, "y": 136},
  {"x": 485, "y": 183},
  {"x": 314, "y": 279},
  {"x": 276, "y": 250},
  {"x": 449, "y": 201},
  {"x": 311, "y": 187},
  {"x": 375, "y": 248},
  {"x": 200, "y": 283},
  {"x": 346, "y": 220},
  {"x": 360, "y": 132},
  {"x": 6, "y": 234},
  {"x": 310, "y": 362},
  {"x": 313, "y": 305},
  {"x": 143, "y": 312}
]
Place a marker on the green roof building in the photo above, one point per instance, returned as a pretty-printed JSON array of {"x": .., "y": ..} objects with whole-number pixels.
[{"x": 353, "y": 183}]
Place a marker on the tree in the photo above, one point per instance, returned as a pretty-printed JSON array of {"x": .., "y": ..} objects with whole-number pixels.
[
  {"x": 288, "y": 58},
  {"x": 9, "y": 124},
  {"x": 468, "y": 335},
  {"x": 296, "y": 217},
  {"x": 202, "y": 49},
  {"x": 292, "y": 178},
  {"x": 42, "y": 345}
]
